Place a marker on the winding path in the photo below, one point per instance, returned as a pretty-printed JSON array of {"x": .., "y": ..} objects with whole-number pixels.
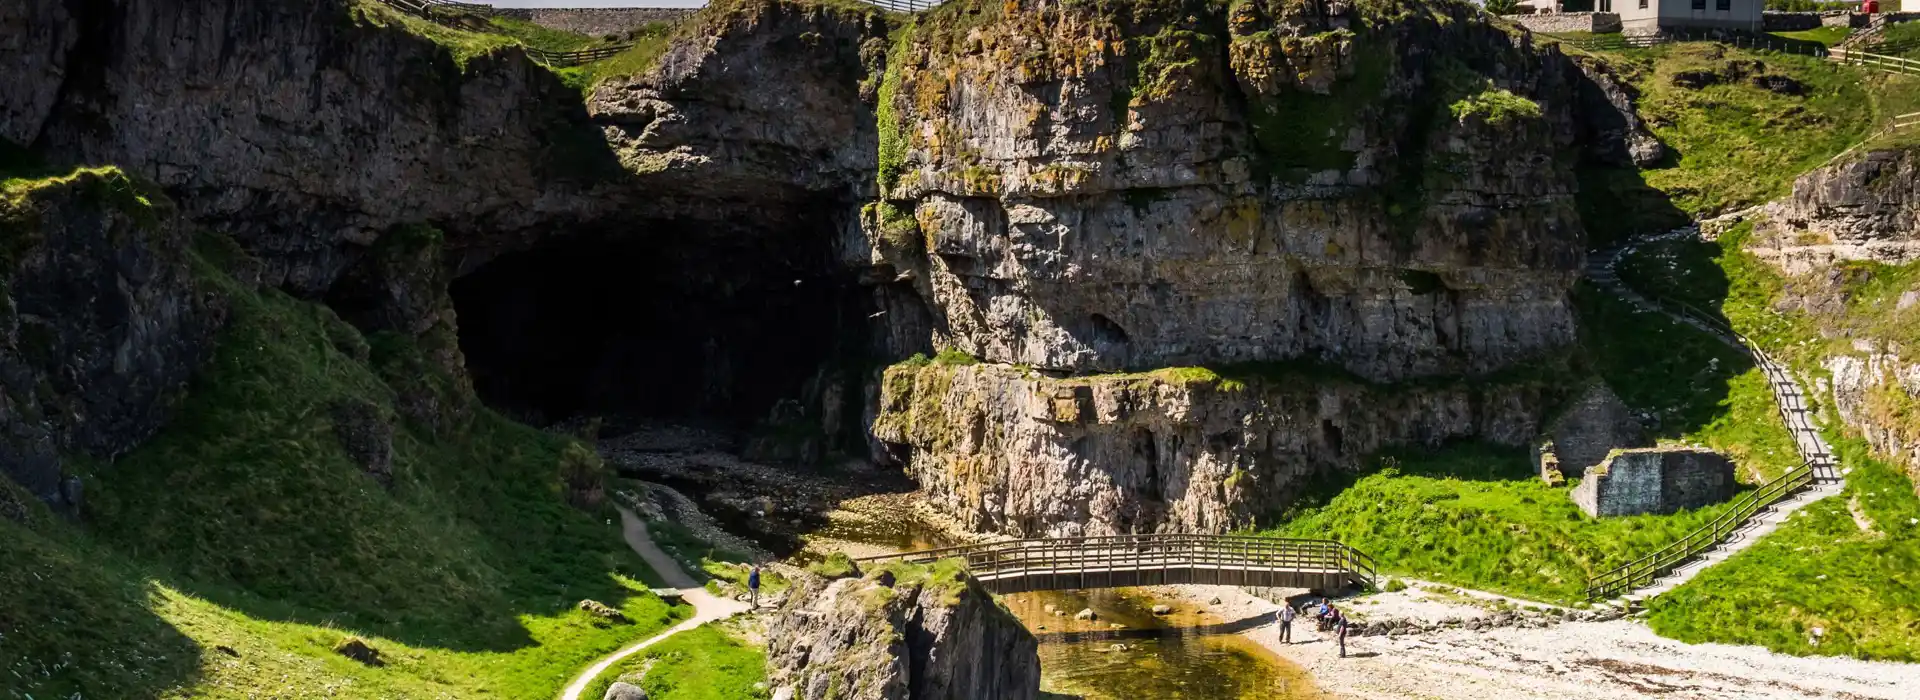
[
  {"x": 707, "y": 606},
  {"x": 1794, "y": 412}
]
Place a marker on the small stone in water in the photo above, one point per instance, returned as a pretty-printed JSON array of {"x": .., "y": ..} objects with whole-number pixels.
[{"x": 1163, "y": 610}]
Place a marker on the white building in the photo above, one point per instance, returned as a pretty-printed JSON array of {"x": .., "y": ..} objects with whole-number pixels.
[{"x": 1648, "y": 16}]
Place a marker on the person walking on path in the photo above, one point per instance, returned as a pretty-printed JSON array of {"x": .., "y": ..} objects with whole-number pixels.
[
  {"x": 1286, "y": 624},
  {"x": 753, "y": 585}
]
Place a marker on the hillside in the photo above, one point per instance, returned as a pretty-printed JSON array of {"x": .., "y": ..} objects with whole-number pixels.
[{"x": 307, "y": 344}]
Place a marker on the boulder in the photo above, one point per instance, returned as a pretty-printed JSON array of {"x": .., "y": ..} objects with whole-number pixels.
[{"x": 622, "y": 690}]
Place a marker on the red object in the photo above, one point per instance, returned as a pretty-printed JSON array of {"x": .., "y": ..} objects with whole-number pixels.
[{"x": 1870, "y": 6}]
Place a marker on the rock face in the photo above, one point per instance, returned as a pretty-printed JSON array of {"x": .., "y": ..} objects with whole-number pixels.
[
  {"x": 1872, "y": 391},
  {"x": 1866, "y": 207},
  {"x": 1655, "y": 480},
  {"x": 1150, "y": 186},
  {"x": 901, "y": 634},
  {"x": 1012, "y": 451},
  {"x": 304, "y": 128},
  {"x": 102, "y": 323}
]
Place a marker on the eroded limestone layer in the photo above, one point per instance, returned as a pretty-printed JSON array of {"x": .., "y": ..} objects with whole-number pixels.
[
  {"x": 1009, "y": 450},
  {"x": 1863, "y": 207},
  {"x": 1386, "y": 186}
]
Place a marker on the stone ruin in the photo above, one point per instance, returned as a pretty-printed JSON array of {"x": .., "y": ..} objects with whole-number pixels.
[
  {"x": 1657, "y": 480},
  {"x": 1581, "y": 437}
]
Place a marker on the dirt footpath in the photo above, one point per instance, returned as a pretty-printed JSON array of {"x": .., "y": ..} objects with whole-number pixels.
[{"x": 1572, "y": 660}]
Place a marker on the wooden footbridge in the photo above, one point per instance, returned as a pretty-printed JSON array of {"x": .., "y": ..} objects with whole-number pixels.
[{"x": 1115, "y": 561}]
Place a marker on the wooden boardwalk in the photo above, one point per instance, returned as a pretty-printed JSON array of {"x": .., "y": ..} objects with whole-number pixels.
[{"x": 1115, "y": 561}]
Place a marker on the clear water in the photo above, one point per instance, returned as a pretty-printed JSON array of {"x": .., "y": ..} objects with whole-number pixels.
[{"x": 1184, "y": 656}]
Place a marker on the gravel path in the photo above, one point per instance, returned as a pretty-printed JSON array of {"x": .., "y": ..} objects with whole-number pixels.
[
  {"x": 1566, "y": 661},
  {"x": 707, "y": 607}
]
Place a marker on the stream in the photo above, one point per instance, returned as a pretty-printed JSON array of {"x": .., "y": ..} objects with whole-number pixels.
[{"x": 1188, "y": 655}]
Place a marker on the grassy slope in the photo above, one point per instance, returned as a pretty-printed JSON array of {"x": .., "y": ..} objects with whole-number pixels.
[
  {"x": 1476, "y": 516},
  {"x": 1730, "y": 145},
  {"x": 244, "y": 524},
  {"x": 1821, "y": 570},
  {"x": 705, "y": 663}
]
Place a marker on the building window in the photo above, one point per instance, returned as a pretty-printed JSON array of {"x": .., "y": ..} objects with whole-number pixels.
[
  {"x": 1723, "y": 5},
  {"x": 1643, "y": 4},
  {"x": 1700, "y": 4}
]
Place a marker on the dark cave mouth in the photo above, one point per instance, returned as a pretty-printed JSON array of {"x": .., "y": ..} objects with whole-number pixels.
[{"x": 680, "y": 324}]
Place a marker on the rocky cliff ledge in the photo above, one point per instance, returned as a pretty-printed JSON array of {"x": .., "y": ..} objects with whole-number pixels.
[
  {"x": 900, "y": 633},
  {"x": 102, "y": 322},
  {"x": 1013, "y": 451},
  {"x": 1095, "y": 186},
  {"x": 1862, "y": 207}
]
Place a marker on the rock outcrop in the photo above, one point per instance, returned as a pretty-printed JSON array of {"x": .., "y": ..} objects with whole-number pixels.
[
  {"x": 1862, "y": 207},
  {"x": 900, "y": 633},
  {"x": 1874, "y": 391},
  {"x": 102, "y": 322},
  {"x": 1383, "y": 186},
  {"x": 1013, "y": 451},
  {"x": 303, "y": 128}
]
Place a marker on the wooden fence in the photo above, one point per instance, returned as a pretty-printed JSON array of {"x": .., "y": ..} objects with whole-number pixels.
[
  {"x": 1890, "y": 64},
  {"x": 1149, "y": 560},
  {"x": 1745, "y": 40}
]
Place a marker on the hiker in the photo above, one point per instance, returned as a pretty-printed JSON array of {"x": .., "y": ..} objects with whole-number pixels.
[
  {"x": 1340, "y": 623},
  {"x": 753, "y": 585},
  {"x": 1286, "y": 624}
]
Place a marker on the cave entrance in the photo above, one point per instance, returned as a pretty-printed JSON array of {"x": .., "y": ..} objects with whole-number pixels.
[{"x": 686, "y": 323}]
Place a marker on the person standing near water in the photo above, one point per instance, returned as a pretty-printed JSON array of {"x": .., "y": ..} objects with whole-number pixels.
[
  {"x": 1286, "y": 624},
  {"x": 753, "y": 585}
]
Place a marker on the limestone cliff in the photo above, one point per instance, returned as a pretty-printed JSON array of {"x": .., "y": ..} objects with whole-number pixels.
[
  {"x": 1383, "y": 185},
  {"x": 102, "y": 322},
  {"x": 1833, "y": 236},
  {"x": 304, "y": 128},
  {"x": 1861, "y": 207},
  {"x": 1013, "y": 451},
  {"x": 900, "y": 633}
]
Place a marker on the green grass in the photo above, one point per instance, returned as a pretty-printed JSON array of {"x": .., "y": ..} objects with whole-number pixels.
[
  {"x": 1826, "y": 36},
  {"x": 1737, "y": 144},
  {"x": 704, "y": 663},
  {"x": 1861, "y": 587},
  {"x": 463, "y": 45},
  {"x": 649, "y": 42},
  {"x": 1476, "y": 515},
  {"x": 535, "y": 36},
  {"x": 1821, "y": 569},
  {"x": 244, "y": 524}
]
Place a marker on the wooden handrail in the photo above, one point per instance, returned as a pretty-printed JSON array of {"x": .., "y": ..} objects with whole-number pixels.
[
  {"x": 1108, "y": 553},
  {"x": 1646, "y": 569}
]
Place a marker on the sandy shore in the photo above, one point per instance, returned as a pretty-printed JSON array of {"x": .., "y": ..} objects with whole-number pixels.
[{"x": 1599, "y": 660}]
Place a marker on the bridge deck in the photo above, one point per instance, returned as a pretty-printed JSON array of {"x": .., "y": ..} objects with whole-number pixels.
[{"x": 1148, "y": 560}]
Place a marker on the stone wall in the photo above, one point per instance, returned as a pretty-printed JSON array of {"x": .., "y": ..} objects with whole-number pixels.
[
  {"x": 1791, "y": 21},
  {"x": 1594, "y": 425},
  {"x": 596, "y": 21},
  {"x": 1596, "y": 22},
  {"x": 1655, "y": 480}
]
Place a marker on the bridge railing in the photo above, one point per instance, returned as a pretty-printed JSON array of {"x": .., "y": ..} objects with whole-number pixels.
[{"x": 1107, "y": 553}]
